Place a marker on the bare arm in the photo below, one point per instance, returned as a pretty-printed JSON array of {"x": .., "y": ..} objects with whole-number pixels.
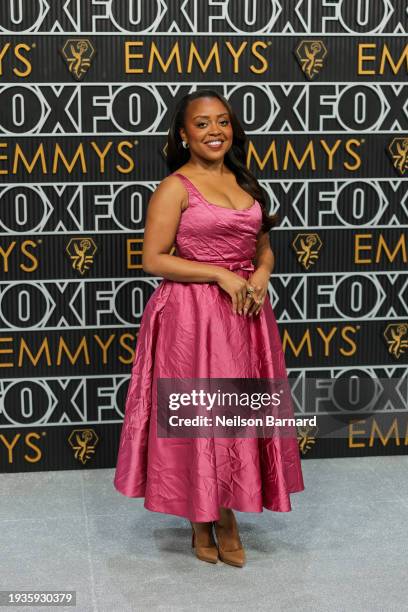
[
  {"x": 265, "y": 258},
  {"x": 259, "y": 279},
  {"x": 162, "y": 220}
]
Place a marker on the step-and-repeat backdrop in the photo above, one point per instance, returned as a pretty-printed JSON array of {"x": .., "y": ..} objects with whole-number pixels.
[{"x": 86, "y": 92}]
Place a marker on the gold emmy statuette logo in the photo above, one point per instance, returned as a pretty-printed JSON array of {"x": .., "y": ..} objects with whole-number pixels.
[
  {"x": 306, "y": 437},
  {"x": 310, "y": 55},
  {"x": 395, "y": 335},
  {"x": 78, "y": 53},
  {"x": 398, "y": 151},
  {"x": 307, "y": 247},
  {"x": 81, "y": 251},
  {"x": 83, "y": 441}
]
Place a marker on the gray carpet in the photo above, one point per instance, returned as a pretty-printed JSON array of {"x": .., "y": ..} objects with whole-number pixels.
[{"x": 343, "y": 547}]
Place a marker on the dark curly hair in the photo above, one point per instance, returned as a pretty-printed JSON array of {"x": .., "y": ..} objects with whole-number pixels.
[{"x": 176, "y": 155}]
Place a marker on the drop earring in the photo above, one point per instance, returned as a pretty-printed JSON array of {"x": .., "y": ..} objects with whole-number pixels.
[{"x": 185, "y": 144}]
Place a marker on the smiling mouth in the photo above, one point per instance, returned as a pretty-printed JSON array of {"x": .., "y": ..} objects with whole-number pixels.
[{"x": 215, "y": 143}]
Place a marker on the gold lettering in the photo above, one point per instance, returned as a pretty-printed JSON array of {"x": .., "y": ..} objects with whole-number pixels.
[
  {"x": 352, "y": 432},
  {"x": 129, "y": 55},
  {"x": 353, "y": 154},
  {"x": 365, "y": 58},
  {"x": 236, "y": 54},
  {"x": 330, "y": 152},
  {"x": 386, "y": 55},
  {"x": 385, "y": 58},
  {"x": 40, "y": 153},
  {"x": 101, "y": 154},
  {"x": 131, "y": 166},
  {"x": 131, "y": 265},
  {"x": 382, "y": 245},
  {"x": 291, "y": 153},
  {"x": 6, "y": 254},
  {"x": 44, "y": 348},
  {"x": 306, "y": 339},
  {"x": 30, "y": 256},
  {"x": 10, "y": 445},
  {"x": 38, "y": 454},
  {"x": 79, "y": 153},
  {"x": 155, "y": 52},
  {"x": 203, "y": 67},
  {"x": 263, "y": 45},
  {"x": 62, "y": 347},
  {"x": 326, "y": 339},
  {"x": 262, "y": 163},
  {"x": 128, "y": 348},
  {"x": 384, "y": 441},
  {"x": 105, "y": 346},
  {"x": 3, "y": 52},
  {"x": 350, "y": 341},
  {"x": 361, "y": 247},
  {"x": 7, "y": 364},
  {"x": 3, "y": 145},
  {"x": 24, "y": 60}
]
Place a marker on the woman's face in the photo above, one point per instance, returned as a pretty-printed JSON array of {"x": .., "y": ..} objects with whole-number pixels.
[{"x": 206, "y": 120}]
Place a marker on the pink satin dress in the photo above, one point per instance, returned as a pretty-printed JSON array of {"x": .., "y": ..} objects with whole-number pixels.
[{"x": 188, "y": 330}]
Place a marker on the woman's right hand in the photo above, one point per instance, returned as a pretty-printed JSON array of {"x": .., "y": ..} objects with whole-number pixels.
[{"x": 236, "y": 286}]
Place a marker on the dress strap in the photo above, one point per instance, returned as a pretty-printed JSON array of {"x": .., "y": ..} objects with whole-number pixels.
[{"x": 188, "y": 184}]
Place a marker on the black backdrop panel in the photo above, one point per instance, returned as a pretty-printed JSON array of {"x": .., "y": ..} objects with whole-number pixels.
[{"x": 86, "y": 93}]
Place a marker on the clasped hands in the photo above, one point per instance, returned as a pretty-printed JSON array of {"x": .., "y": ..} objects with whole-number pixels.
[
  {"x": 245, "y": 302},
  {"x": 248, "y": 296},
  {"x": 254, "y": 301}
]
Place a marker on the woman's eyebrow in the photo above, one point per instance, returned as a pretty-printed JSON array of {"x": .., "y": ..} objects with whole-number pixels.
[{"x": 207, "y": 116}]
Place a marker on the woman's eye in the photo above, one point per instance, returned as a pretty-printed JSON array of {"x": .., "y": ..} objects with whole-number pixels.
[{"x": 203, "y": 123}]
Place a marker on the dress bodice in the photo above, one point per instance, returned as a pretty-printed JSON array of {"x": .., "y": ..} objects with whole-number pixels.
[{"x": 215, "y": 234}]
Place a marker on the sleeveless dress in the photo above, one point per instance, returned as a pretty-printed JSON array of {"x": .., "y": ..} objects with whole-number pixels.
[{"x": 188, "y": 330}]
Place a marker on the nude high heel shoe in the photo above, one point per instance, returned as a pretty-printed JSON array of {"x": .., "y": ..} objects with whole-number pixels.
[
  {"x": 204, "y": 553},
  {"x": 230, "y": 549}
]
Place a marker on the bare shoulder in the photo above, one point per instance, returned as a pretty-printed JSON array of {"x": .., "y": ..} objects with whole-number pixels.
[{"x": 171, "y": 192}]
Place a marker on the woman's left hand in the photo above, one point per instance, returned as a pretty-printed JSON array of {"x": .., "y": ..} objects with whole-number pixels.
[{"x": 259, "y": 280}]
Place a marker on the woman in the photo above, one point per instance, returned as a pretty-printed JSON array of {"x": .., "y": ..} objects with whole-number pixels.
[{"x": 210, "y": 317}]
